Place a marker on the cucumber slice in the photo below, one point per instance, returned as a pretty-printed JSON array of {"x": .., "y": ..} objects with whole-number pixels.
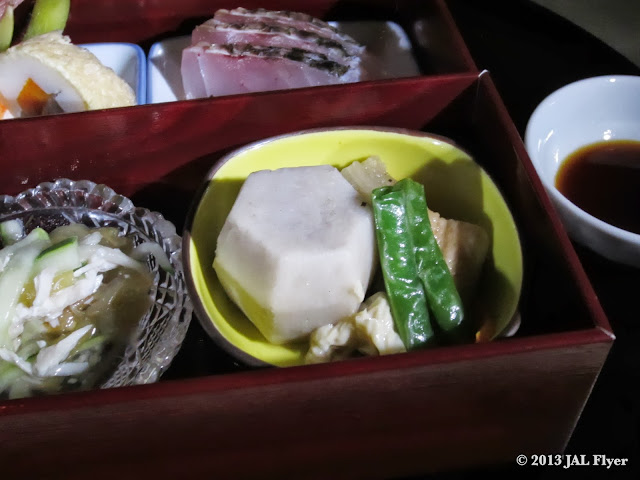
[
  {"x": 9, "y": 373},
  {"x": 72, "y": 230},
  {"x": 60, "y": 257},
  {"x": 6, "y": 28},
  {"x": 88, "y": 344},
  {"x": 37, "y": 235},
  {"x": 47, "y": 16},
  {"x": 13, "y": 278},
  {"x": 11, "y": 231}
]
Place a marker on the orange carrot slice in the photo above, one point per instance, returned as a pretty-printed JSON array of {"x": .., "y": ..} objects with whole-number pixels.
[{"x": 32, "y": 99}]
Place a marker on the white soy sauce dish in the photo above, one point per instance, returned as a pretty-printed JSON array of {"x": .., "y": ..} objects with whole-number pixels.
[{"x": 583, "y": 113}]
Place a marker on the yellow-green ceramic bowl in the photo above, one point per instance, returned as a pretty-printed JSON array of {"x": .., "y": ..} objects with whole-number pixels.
[{"x": 455, "y": 186}]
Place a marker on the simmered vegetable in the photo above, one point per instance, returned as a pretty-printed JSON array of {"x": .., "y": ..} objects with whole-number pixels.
[
  {"x": 396, "y": 249},
  {"x": 442, "y": 296},
  {"x": 368, "y": 175},
  {"x": 416, "y": 275}
]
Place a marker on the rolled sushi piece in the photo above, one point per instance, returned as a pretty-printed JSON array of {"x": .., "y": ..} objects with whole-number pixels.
[{"x": 48, "y": 74}]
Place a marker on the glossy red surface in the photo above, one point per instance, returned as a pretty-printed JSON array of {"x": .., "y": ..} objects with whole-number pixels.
[
  {"x": 361, "y": 419},
  {"x": 132, "y": 148},
  {"x": 493, "y": 400},
  {"x": 139, "y": 20}
]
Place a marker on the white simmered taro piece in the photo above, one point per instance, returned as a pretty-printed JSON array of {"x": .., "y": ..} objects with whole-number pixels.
[
  {"x": 243, "y": 51},
  {"x": 297, "y": 250}
]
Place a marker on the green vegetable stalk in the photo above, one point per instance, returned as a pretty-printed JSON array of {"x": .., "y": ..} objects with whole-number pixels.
[
  {"x": 47, "y": 16},
  {"x": 6, "y": 28},
  {"x": 443, "y": 298},
  {"x": 416, "y": 275},
  {"x": 405, "y": 292}
]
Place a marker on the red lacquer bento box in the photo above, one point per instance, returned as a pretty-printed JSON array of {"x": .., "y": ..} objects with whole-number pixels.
[{"x": 451, "y": 408}]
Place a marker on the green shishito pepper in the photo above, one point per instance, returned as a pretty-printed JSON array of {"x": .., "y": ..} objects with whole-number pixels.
[
  {"x": 406, "y": 294},
  {"x": 416, "y": 275}
]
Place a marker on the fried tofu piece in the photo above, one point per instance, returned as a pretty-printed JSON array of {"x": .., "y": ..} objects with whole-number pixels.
[{"x": 464, "y": 247}]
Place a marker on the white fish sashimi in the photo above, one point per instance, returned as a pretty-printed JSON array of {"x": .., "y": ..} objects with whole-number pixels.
[
  {"x": 244, "y": 51},
  {"x": 215, "y": 32},
  {"x": 297, "y": 20},
  {"x": 244, "y": 69}
]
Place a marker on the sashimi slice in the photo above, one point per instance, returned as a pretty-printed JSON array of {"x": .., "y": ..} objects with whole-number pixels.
[
  {"x": 299, "y": 21},
  {"x": 235, "y": 69},
  {"x": 192, "y": 77},
  {"x": 214, "y": 31}
]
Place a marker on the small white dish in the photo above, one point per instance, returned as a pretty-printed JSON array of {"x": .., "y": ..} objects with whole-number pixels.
[
  {"x": 388, "y": 46},
  {"x": 128, "y": 61},
  {"x": 579, "y": 114}
]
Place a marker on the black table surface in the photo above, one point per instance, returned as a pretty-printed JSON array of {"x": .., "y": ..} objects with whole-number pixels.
[{"x": 530, "y": 52}]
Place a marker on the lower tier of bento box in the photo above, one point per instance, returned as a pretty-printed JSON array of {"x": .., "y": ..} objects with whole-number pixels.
[{"x": 443, "y": 409}]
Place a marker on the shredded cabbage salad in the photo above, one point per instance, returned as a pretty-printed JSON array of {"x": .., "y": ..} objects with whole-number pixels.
[{"x": 67, "y": 299}]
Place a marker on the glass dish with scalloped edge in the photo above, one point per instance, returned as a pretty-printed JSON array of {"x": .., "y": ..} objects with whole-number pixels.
[{"x": 153, "y": 342}]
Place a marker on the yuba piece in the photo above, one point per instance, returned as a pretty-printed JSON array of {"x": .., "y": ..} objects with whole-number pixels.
[
  {"x": 71, "y": 78},
  {"x": 297, "y": 250},
  {"x": 243, "y": 51},
  {"x": 465, "y": 247}
]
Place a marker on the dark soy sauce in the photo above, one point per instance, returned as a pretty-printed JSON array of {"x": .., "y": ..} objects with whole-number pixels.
[{"x": 603, "y": 179}]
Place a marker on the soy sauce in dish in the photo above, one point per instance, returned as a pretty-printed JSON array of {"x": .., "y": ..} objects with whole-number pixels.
[{"x": 603, "y": 179}]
